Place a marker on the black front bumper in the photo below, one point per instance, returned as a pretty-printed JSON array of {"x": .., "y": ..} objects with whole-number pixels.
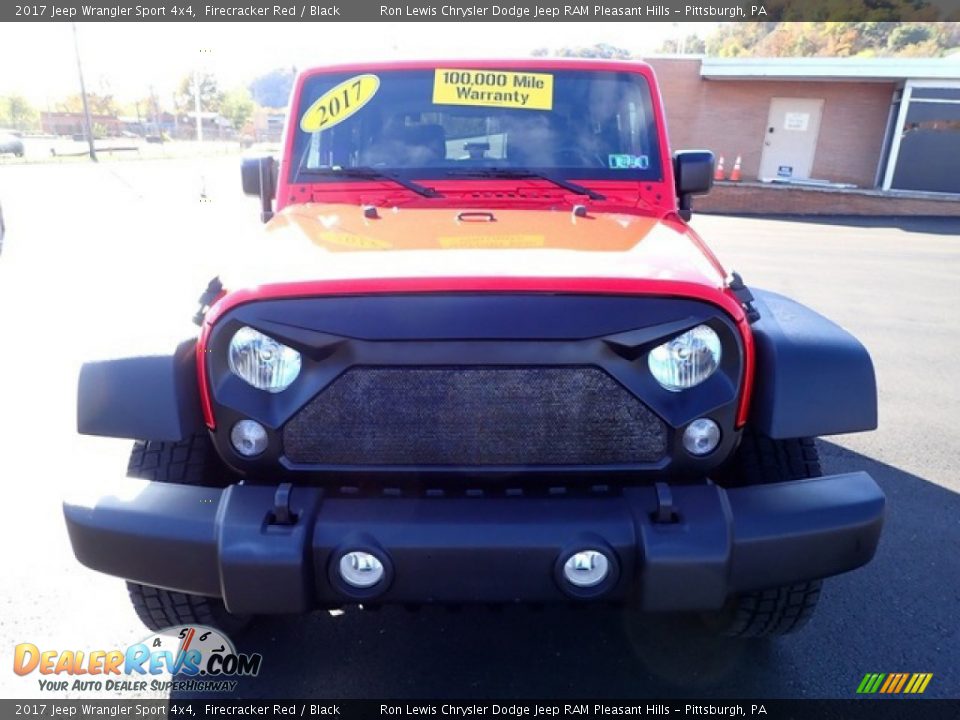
[{"x": 228, "y": 542}]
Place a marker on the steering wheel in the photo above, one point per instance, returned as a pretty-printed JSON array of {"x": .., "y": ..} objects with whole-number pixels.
[{"x": 578, "y": 157}]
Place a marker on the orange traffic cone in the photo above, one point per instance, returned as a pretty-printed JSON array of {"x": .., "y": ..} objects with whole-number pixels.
[
  {"x": 735, "y": 173},
  {"x": 718, "y": 173}
]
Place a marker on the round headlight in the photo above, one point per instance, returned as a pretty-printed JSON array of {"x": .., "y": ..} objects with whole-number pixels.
[
  {"x": 262, "y": 361},
  {"x": 687, "y": 360}
]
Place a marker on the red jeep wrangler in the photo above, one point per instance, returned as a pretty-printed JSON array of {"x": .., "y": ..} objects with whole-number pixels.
[{"x": 483, "y": 359}]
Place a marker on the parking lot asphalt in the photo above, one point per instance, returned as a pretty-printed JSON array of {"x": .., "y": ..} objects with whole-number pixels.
[{"x": 108, "y": 258}]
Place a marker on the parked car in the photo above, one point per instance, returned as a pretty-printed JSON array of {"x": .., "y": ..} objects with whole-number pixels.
[
  {"x": 11, "y": 145},
  {"x": 482, "y": 357}
]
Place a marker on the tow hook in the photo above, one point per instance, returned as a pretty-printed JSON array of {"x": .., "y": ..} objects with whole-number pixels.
[
  {"x": 666, "y": 512},
  {"x": 282, "y": 514}
]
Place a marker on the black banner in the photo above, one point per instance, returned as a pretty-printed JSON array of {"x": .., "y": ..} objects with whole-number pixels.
[
  {"x": 479, "y": 10},
  {"x": 872, "y": 709}
]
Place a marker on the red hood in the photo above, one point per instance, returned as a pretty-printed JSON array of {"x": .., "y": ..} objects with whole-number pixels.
[
  {"x": 317, "y": 242},
  {"x": 332, "y": 249}
]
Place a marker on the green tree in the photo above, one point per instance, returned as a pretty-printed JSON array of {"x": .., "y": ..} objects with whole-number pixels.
[
  {"x": 211, "y": 97},
  {"x": 908, "y": 34},
  {"x": 17, "y": 113},
  {"x": 237, "y": 107},
  {"x": 273, "y": 88}
]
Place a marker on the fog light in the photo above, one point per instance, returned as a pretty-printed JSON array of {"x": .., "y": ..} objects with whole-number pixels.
[
  {"x": 586, "y": 568},
  {"x": 701, "y": 436},
  {"x": 361, "y": 569},
  {"x": 249, "y": 438}
]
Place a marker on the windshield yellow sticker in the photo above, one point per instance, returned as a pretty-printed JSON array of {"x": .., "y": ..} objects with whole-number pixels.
[
  {"x": 493, "y": 88},
  {"x": 339, "y": 103}
]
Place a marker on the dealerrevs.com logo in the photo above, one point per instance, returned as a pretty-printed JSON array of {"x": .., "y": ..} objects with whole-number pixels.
[{"x": 201, "y": 658}]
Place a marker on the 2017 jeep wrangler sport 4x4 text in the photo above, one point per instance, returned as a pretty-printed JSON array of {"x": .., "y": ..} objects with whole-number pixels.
[{"x": 484, "y": 360}]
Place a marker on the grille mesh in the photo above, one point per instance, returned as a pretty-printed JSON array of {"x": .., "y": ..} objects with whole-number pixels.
[{"x": 475, "y": 416}]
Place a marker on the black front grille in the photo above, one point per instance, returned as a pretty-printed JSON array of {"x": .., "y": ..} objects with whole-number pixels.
[{"x": 475, "y": 416}]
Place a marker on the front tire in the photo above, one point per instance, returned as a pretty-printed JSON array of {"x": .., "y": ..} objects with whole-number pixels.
[
  {"x": 158, "y": 609},
  {"x": 193, "y": 461},
  {"x": 780, "y": 610}
]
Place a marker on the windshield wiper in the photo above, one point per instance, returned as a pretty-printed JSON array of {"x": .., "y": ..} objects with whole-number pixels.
[
  {"x": 521, "y": 173},
  {"x": 369, "y": 173}
]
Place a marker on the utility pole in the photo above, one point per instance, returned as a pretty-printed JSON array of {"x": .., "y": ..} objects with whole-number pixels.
[
  {"x": 88, "y": 126},
  {"x": 196, "y": 104}
]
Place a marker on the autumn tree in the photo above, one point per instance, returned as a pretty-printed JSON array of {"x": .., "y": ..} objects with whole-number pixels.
[
  {"x": 835, "y": 39},
  {"x": 99, "y": 104}
]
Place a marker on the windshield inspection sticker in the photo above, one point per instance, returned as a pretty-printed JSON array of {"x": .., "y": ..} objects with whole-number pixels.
[
  {"x": 339, "y": 103},
  {"x": 492, "y": 88},
  {"x": 628, "y": 162}
]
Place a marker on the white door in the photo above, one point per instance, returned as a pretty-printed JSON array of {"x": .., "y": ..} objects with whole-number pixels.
[{"x": 790, "y": 141}]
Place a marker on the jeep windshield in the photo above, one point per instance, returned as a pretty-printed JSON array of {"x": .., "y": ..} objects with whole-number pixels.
[{"x": 442, "y": 124}]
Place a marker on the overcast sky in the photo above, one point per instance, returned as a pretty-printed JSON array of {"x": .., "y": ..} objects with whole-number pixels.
[{"x": 127, "y": 58}]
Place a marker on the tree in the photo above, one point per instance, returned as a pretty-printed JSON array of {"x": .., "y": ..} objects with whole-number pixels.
[
  {"x": 273, "y": 89},
  {"x": 211, "y": 97},
  {"x": 599, "y": 50},
  {"x": 690, "y": 45},
  {"x": 99, "y": 104},
  {"x": 908, "y": 34},
  {"x": 17, "y": 113},
  {"x": 835, "y": 39},
  {"x": 237, "y": 107}
]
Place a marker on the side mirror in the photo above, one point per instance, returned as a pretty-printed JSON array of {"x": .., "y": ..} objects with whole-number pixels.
[
  {"x": 259, "y": 178},
  {"x": 693, "y": 173}
]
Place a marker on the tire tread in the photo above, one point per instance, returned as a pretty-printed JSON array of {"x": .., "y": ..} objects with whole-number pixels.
[
  {"x": 774, "y": 611},
  {"x": 192, "y": 461}
]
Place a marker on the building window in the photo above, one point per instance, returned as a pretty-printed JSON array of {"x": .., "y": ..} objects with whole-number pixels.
[{"x": 924, "y": 155}]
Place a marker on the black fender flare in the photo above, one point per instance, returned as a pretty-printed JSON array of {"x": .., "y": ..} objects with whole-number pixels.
[
  {"x": 146, "y": 397},
  {"x": 811, "y": 376}
]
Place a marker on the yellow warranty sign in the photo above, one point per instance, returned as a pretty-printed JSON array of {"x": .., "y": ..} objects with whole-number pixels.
[
  {"x": 493, "y": 88},
  {"x": 339, "y": 103}
]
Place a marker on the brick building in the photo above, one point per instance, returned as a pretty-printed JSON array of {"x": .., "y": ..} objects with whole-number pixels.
[
  {"x": 855, "y": 131},
  {"x": 71, "y": 123}
]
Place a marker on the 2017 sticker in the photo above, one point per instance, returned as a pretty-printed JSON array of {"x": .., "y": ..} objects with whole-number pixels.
[
  {"x": 493, "y": 88},
  {"x": 339, "y": 103}
]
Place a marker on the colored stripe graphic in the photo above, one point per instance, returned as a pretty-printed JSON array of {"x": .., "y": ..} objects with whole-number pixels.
[
  {"x": 903, "y": 681},
  {"x": 918, "y": 683},
  {"x": 894, "y": 683},
  {"x": 870, "y": 683}
]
